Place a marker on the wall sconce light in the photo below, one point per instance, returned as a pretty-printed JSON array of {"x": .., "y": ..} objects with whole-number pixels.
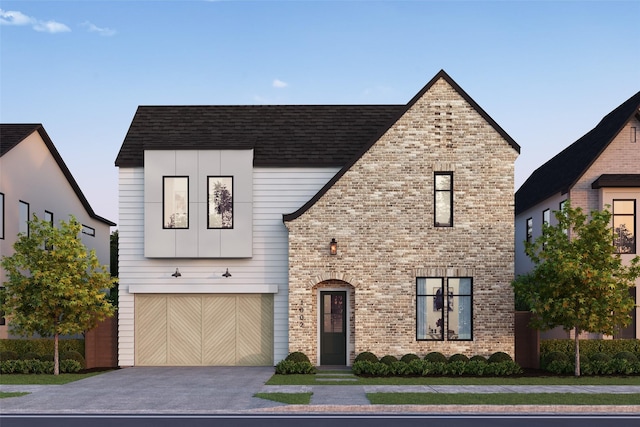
[
  {"x": 226, "y": 274},
  {"x": 333, "y": 247},
  {"x": 177, "y": 273}
]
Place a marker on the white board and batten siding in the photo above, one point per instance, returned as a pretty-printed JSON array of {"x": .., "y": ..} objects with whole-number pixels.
[{"x": 276, "y": 191}]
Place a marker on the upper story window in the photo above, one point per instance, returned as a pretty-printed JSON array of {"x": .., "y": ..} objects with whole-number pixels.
[
  {"x": 1, "y": 215},
  {"x": 48, "y": 216},
  {"x": 624, "y": 226},
  {"x": 444, "y": 304},
  {"x": 23, "y": 226},
  {"x": 220, "y": 202},
  {"x": 634, "y": 134},
  {"x": 529, "y": 229},
  {"x": 89, "y": 231},
  {"x": 546, "y": 216},
  {"x": 175, "y": 202},
  {"x": 562, "y": 205},
  {"x": 443, "y": 194}
]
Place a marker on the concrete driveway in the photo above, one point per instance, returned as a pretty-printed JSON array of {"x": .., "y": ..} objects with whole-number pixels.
[{"x": 148, "y": 390}]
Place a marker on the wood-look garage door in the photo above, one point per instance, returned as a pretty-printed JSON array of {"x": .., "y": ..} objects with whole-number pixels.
[{"x": 204, "y": 330}]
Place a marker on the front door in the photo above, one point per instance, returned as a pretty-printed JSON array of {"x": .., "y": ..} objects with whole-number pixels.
[{"x": 333, "y": 328}]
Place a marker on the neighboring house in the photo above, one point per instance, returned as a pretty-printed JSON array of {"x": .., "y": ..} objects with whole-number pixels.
[
  {"x": 35, "y": 180},
  {"x": 247, "y": 232},
  {"x": 600, "y": 170}
]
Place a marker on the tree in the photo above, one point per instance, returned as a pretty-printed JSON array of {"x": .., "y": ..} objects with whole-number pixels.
[
  {"x": 55, "y": 286},
  {"x": 579, "y": 281}
]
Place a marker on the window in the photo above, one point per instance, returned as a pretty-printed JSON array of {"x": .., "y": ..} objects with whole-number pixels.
[
  {"x": 546, "y": 221},
  {"x": 175, "y": 204},
  {"x": 23, "y": 226},
  {"x": 48, "y": 216},
  {"x": 440, "y": 308},
  {"x": 634, "y": 136},
  {"x": 1, "y": 215},
  {"x": 220, "y": 202},
  {"x": 562, "y": 205},
  {"x": 529, "y": 229},
  {"x": 89, "y": 231},
  {"x": 3, "y": 321},
  {"x": 624, "y": 230},
  {"x": 443, "y": 193}
]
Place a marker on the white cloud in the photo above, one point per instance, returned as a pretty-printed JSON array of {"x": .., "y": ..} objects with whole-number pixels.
[
  {"x": 12, "y": 17},
  {"x": 95, "y": 29},
  {"x": 279, "y": 84}
]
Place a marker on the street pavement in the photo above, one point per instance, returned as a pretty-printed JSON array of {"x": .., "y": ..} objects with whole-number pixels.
[{"x": 216, "y": 390}]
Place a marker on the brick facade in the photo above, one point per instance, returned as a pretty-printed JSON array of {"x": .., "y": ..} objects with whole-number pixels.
[{"x": 381, "y": 212}]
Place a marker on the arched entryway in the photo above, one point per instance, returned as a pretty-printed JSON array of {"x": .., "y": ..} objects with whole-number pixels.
[{"x": 335, "y": 304}]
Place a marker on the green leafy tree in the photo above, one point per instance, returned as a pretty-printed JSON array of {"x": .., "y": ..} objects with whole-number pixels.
[
  {"x": 55, "y": 286},
  {"x": 578, "y": 282}
]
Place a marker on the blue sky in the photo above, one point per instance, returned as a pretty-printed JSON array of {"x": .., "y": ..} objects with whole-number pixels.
[{"x": 546, "y": 71}]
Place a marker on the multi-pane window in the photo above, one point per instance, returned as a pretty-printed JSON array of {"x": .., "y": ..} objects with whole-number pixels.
[
  {"x": 529, "y": 229},
  {"x": 23, "y": 226},
  {"x": 175, "y": 204},
  {"x": 1, "y": 216},
  {"x": 444, "y": 308},
  {"x": 443, "y": 194},
  {"x": 624, "y": 226}
]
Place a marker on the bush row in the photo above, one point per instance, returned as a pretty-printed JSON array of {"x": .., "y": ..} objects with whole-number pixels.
[
  {"x": 67, "y": 355},
  {"x": 41, "y": 346},
  {"x": 622, "y": 363},
  {"x": 34, "y": 366},
  {"x": 434, "y": 357},
  {"x": 423, "y": 368},
  {"x": 589, "y": 347}
]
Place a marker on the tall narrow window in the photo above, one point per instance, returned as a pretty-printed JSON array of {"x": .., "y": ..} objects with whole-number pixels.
[
  {"x": 546, "y": 221},
  {"x": 220, "y": 205},
  {"x": 459, "y": 309},
  {"x": 1, "y": 215},
  {"x": 443, "y": 206},
  {"x": 23, "y": 226},
  {"x": 430, "y": 303},
  {"x": 175, "y": 204},
  {"x": 562, "y": 206},
  {"x": 624, "y": 226},
  {"x": 48, "y": 216},
  {"x": 529, "y": 229}
]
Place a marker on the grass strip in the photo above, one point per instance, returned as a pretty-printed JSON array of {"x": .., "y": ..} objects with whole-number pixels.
[
  {"x": 45, "y": 379},
  {"x": 288, "y": 398},
  {"x": 551, "y": 380},
  {"x": 6, "y": 394},
  {"x": 502, "y": 399}
]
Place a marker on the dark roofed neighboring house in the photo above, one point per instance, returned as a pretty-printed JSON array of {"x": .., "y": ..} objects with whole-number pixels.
[{"x": 600, "y": 169}]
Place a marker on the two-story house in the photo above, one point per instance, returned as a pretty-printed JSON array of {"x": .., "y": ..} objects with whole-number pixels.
[
  {"x": 600, "y": 170},
  {"x": 247, "y": 232},
  {"x": 35, "y": 180}
]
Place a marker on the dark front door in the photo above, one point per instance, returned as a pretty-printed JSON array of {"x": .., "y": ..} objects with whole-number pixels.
[{"x": 333, "y": 328}]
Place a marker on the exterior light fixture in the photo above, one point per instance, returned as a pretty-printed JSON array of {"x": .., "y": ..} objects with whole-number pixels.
[
  {"x": 226, "y": 274},
  {"x": 333, "y": 247},
  {"x": 177, "y": 273}
]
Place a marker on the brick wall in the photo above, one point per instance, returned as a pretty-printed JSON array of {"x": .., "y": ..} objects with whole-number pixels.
[{"x": 382, "y": 215}]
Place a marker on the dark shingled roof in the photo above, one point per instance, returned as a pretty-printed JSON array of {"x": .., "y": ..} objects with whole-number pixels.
[
  {"x": 617, "y": 180},
  {"x": 560, "y": 173},
  {"x": 12, "y": 134}
]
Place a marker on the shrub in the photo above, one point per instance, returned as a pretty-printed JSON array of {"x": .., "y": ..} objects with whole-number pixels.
[
  {"x": 366, "y": 356},
  {"x": 30, "y": 355},
  {"x": 8, "y": 355},
  {"x": 68, "y": 366},
  {"x": 554, "y": 356},
  {"x": 41, "y": 345},
  {"x": 435, "y": 357},
  {"x": 476, "y": 367},
  {"x": 409, "y": 357},
  {"x": 478, "y": 358},
  {"x": 46, "y": 357},
  {"x": 458, "y": 358},
  {"x": 589, "y": 347},
  {"x": 504, "y": 368},
  {"x": 599, "y": 357},
  {"x": 389, "y": 360},
  {"x": 500, "y": 357},
  {"x": 455, "y": 368},
  {"x": 400, "y": 369},
  {"x": 297, "y": 356},
  {"x": 626, "y": 355},
  {"x": 289, "y": 367},
  {"x": 73, "y": 355}
]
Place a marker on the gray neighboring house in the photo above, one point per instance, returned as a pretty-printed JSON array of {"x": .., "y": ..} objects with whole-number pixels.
[
  {"x": 600, "y": 169},
  {"x": 35, "y": 180},
  {"x": 247, "y": 232}
]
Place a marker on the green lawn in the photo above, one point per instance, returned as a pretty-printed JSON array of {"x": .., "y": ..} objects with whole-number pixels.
[
  {"x": 551, "y": 380},
  {"x": 5, "y": 394},
  {"x": 288, "y": 398},
  {"x": 46, "y": 379},
  {"x": 502, "y": 399}
]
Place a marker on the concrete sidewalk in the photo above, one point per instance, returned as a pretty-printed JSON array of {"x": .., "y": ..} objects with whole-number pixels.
[{"x": 210, "y": 390}]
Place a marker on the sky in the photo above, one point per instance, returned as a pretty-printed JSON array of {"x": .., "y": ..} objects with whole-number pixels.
[{"x": 545, "y": 71}]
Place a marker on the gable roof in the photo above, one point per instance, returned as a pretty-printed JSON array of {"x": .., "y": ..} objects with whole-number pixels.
[
  {"x": 560, "y": 173},
  {"x": 13, "y": 134},
  {"x": 441, "y": 75}
]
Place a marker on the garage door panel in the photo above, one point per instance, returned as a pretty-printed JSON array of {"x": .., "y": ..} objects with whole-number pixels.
[
  {"x": 219, "y": 330},
  {"x": 185, "y": 330},
  {"x": 151, "y": 330},
  {"x": 254, "y": 330}
]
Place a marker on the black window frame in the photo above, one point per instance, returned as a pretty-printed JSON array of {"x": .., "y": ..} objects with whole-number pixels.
[
  {"x": 1, "y": 216},
  {"x": 232, "y": 202},
  {"x": 437, "y": 191},
  {"x": 634, "y": 218},
  {"x": 47, "y": 246},
  {"x": 437, "y": 299},
  {"x": 20, "y": 204},
  {"x": 89, "y": 231},
  {"x": 529, "y": 229},
  {"x": 164, "y": 180}
]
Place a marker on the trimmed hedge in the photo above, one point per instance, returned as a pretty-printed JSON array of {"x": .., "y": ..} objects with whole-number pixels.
[
  {"x": 424, "y": 368},
  {"x": 388, "y": 360},
  {"x": 298, "y": 356},
  {"x": 289, "y": 367},
  {"x": 589, "y": 347},
  {"x": 41, "y": 346},
  {"x": 368, "y": 356},
  {"x": 34, "y": 366}
]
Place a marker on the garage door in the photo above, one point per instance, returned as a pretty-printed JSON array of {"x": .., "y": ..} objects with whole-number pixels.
[{"x": 209, "y": 330}]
